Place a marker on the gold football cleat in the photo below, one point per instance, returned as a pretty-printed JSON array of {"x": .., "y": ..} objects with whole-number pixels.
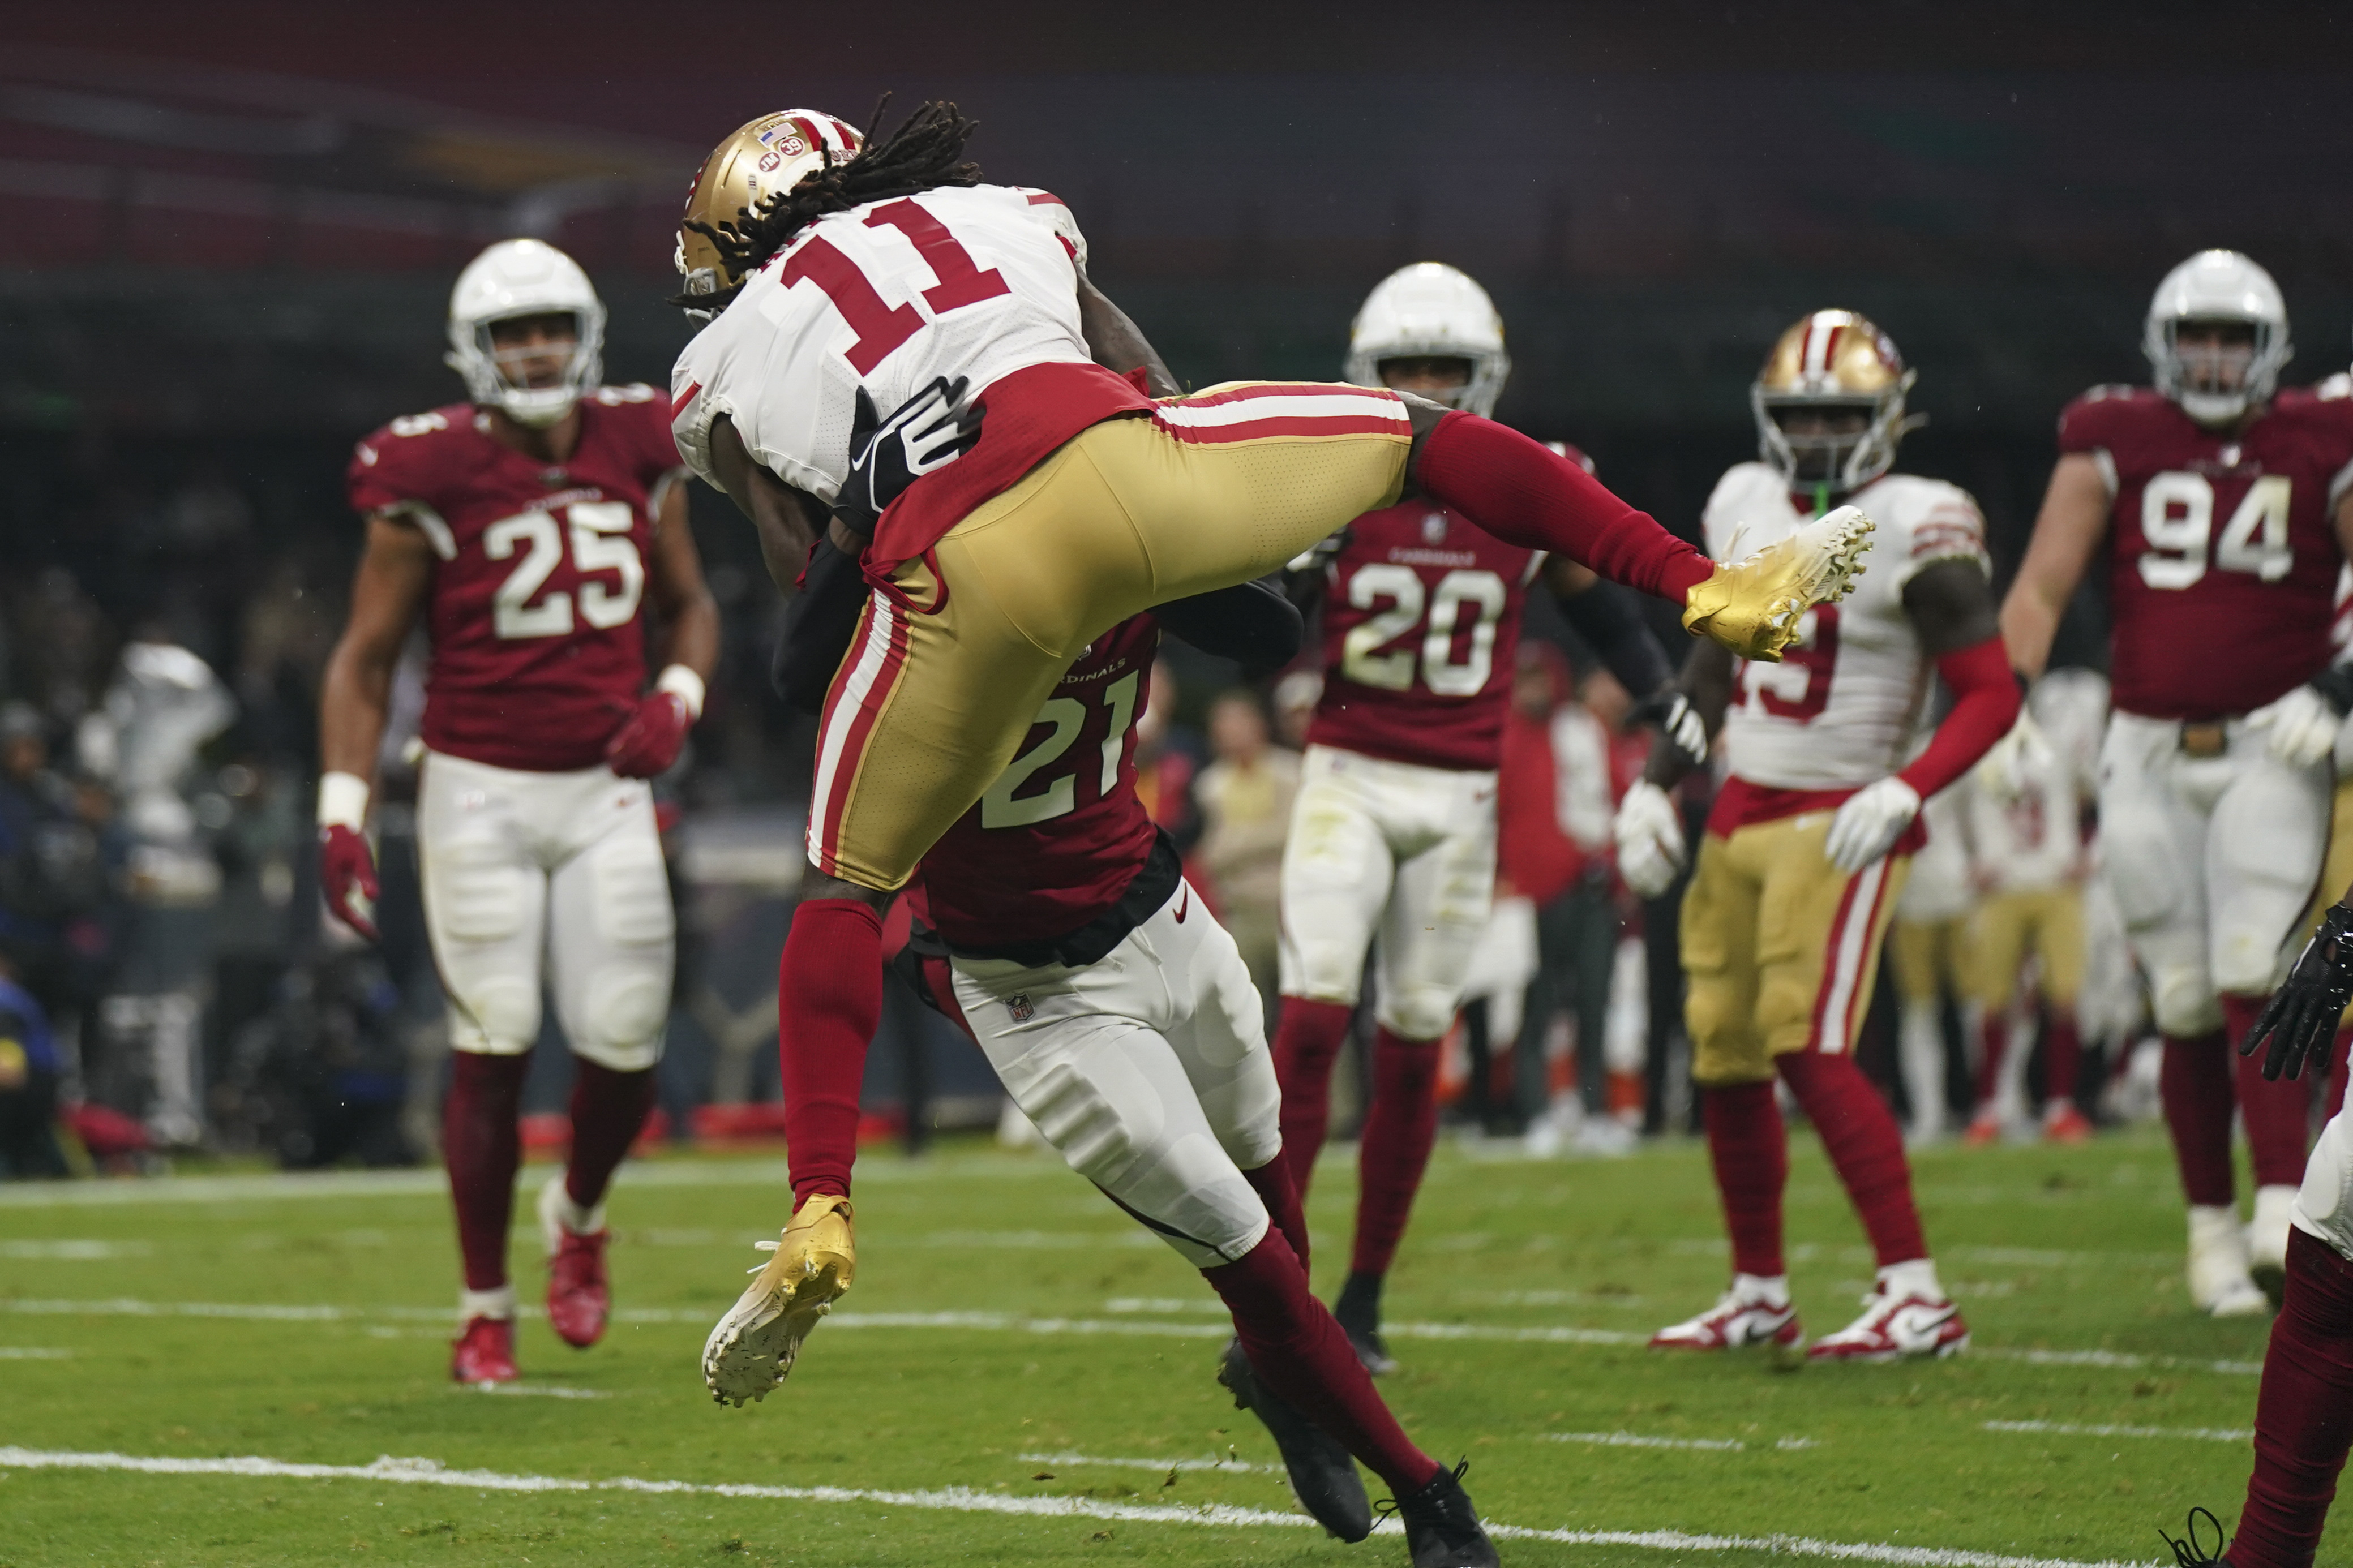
[
  {"x": 754, "y": 1346},
  {"x": 1752, "y": 606}
]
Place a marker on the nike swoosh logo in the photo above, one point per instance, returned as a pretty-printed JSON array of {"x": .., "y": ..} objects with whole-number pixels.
[{"x": 1185, "y": 906}]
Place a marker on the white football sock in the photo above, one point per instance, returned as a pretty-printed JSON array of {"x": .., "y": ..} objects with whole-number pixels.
[
  {"x": 1771, "y": 1290},
  {"x": 498, "y": 1303},
  {"x": 1917, "y": 1278}
]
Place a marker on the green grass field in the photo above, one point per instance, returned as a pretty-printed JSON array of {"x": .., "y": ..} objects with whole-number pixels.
[{"x": 1022, "y": 1376}]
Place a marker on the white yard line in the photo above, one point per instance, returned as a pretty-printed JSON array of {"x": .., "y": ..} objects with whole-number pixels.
[
  {"x": 963, "y": 1499},
  {"x": 1159, "y": 1467},
  {"x": 74, "y": 1251},
  {"x": 1637, "y": 1440},
  {"x": 2122, "y": 1361},
  {"x": 535, "y": 1390},
  {"x": 32, "y": 1352},
  {"x": 2068, "y": 1429}
]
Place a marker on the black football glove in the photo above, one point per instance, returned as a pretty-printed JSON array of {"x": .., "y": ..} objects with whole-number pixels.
[
  {"x": 1677, "y": 719},
  {"x": 929, "y": 431},
  {"x": 2302, "y": 1014}
]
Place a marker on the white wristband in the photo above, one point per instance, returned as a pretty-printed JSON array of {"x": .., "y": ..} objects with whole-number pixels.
[
  {"x": 342, "y": 801},
  {"x": 685, "y": 684}
]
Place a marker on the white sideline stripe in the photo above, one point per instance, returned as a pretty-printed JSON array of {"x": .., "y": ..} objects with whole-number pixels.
[
  {"x": 32, "y": 1352},
  {"x": 74, "y": 1251},
  {"x": 1636, "y": 1440},
  {"x": 1014, "y": 1322},
  {"x": 1161, "y": 1467},
  {"x": 966, "y": 1500},
  {"x": 963, "y": 1499},
  {"x": 2069, "y": 1429}
]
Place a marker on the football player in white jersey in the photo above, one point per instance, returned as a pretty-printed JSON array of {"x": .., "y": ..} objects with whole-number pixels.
[
  {"x": 915, "y": 363},
  {"x": 1812, "y": 834}
]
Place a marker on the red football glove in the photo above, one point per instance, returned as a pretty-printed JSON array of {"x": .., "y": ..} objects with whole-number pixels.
[
  {"x": 649, "y": 743},
  {"x": 345, "y": 866}
]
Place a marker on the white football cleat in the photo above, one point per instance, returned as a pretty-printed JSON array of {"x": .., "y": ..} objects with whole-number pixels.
[
  {"x": 1742, "y": 1316},
  {"x": 2267, "y": 1240},
  {"x": 2219, "y": 1283},
  {"x": 1895, "y": 1326}
]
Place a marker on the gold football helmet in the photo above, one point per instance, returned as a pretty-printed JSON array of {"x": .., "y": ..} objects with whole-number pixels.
[
  {"x": 759, "y": 161},
  {"x": 1830, "y": 402}
]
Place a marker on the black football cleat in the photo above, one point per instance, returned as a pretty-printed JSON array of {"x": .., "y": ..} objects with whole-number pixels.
[
  {"x": 1358, "y": 1314},
  {"x": 2188, "y": 1553},
  {"x": 1323, "y": 1476},
  {"x": 1442, "y": 1527}
]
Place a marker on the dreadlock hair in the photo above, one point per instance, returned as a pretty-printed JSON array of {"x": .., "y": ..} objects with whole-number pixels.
[{"x": 925, "y": 153}]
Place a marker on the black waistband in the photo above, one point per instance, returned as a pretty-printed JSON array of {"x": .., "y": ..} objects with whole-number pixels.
[{"x": 1153, "y": 886}]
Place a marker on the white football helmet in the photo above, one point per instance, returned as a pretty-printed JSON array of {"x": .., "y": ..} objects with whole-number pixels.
[
  {"x": 1431, "y": 308},
  {"x": 2217, "y": 285},
  {"x": 523, "y": 277}
]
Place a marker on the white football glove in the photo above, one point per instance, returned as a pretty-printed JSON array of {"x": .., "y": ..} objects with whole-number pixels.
[
  {"x": 2008, "y": 766},
  {"x": 1650, "y": 839},
  {"x": 1870, "y": 823},
  {"x": 2302, "y": 727}
]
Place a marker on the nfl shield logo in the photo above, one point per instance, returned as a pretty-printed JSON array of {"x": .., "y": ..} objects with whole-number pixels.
[
  {"x": 1434, "y": 528},
  {"x": 1021, "y": 1009}
]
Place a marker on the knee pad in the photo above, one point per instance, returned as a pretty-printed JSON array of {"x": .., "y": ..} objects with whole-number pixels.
[
  {"x": 2247, "y": 963},
  {"x": 2324, "y": 1204},
  {"x": 479, "y": 893},
  {"x": 1246, "y": 1113},
  {"x": 1420, "y": 1012},
  {"x": 497, "y": 1016},
  {"x": 2183, "y": 1001},
  {"x": 625, "y": 1026},
  {"x": 632, "y": 894}
]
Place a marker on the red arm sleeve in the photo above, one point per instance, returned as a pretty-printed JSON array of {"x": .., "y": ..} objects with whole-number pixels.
[
  {"x": 1985, "y": 706},
  {"x": 1527, "y": 495}
]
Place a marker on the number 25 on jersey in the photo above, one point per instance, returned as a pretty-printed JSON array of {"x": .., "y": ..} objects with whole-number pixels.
[{"x": 599, "y": 537}]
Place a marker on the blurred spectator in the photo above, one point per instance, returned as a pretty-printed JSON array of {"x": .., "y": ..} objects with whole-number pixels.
[
  {"x": 1245, "y": 797},
  {"x": 1556, "y": 801},
  {"x": 1295, "y": 697},
  {"x": 1168, "y": 762},
  {"x": 29, "y": 1070}
]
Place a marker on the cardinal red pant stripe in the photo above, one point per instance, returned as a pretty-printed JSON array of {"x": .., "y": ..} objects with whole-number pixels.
[{"x": 859, "y": 693}]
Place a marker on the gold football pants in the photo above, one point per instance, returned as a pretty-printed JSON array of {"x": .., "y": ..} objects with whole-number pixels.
[
  {"x": 947, "y": 675},
  {"x": 2045, "y": 921},
  {"x": 1781, "y": 947},
  {"x": 1929, "y": 958}
]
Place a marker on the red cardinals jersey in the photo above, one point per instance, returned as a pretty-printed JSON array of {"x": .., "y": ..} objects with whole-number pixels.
[
  {"x": 1421, "y": 613},
  {"x": 2223, "y": 555},
  {"x": 539, "y": 573},
  {"x": 1060, "y": 834}
]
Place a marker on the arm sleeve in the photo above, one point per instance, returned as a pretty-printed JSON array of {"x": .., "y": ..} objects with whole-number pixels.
[
  {"x": 818, "y": 626},
  {"x": 1985, "y": 706},
  {"x": 1607, "y": 617},
  {"x": 1250, "y": 623}
]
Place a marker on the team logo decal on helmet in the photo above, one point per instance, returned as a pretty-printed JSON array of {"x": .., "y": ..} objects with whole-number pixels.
[
  {"x": 761, "y": 161},
  {"x": 2216, "y": 382},
  {"x": 1431, "y": 310},
  {"x": 523, "y": 277},
  {"x": 1829, "y": 404}
]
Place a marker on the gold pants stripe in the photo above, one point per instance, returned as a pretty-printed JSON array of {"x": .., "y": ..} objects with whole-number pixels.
[{"x": 931, "y": 707}]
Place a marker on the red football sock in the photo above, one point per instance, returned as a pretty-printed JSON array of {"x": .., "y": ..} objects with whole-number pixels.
[
  {"x": 1866, "y": 1147},
  {"x": 2062, "y": 1055},
  {"x": 1399, "y": 1131},
  {"x": 2194, "y": 1086},
  {"x": 2303, "y": 1415},
  {"x": 2275, "y": 1111},
  {"x": 2338, "y": 1050},
  {"x": 1527, "y": 494},
  {"x": 1275, "y": 1188},
  {"x": 1993, "y": 1044},
  {"x": 1305, "y": 1357},
  {"x": 608, "y": 1110},
  {"x": 1307, "y": 1042},
  {"x": 481, "y": 1144},
  {"x": 828, "y": 1003},
  {"x": 1749, "y": 1150}
]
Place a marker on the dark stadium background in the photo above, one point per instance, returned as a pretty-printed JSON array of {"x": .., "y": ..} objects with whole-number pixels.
[{"x": 228, "y": 233}]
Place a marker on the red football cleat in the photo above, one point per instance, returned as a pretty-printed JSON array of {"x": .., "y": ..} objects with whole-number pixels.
[
  {"x": 1985, "y": 1130},
  {"x": 579, "y": 1296},
  {"x": 1893, "y": 1326},
  {"x": 485, "y": 1351},
  {"x": 1736, "y": 1320},
  {"x": 2065, "y": 1124}
]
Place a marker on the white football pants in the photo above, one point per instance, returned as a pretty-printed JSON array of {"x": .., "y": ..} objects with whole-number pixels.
[
  {"x": 2324, "y": 1204},
  {"x": 2211, "y": 861},
  {"x": 1405, "y": 851},
  {"x": 562, "y": 870},
  {"x": 1146, "y": 1070}
]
